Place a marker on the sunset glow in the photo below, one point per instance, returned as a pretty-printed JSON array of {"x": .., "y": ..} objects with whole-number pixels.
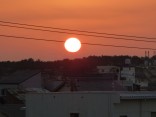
[
  {"x": 72, "y": 45},
  {"x": 127, "y": 17}
]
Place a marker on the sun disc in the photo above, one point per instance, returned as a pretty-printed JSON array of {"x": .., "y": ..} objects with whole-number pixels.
[{"x": 72, "y": 45}]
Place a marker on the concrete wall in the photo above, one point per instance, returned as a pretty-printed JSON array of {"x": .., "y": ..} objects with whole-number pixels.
[
  {"x": 87, "y": 104},
  {"x": 62, "y": 104},
  {"x": 33, "y": 82}
]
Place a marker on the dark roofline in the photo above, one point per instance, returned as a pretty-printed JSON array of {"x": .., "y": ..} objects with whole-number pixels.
[
  {"x": 29, "y": 77},
  {"x": 137, "y": 96},
  {"x": 10, "y": 83},
  {"x": 23, "y": 80}
]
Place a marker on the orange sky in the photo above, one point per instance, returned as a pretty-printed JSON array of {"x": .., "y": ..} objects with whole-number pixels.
[{"x": 130, "y": 17}]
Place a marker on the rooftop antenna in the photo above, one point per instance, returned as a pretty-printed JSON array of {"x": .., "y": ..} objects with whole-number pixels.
[
  {"x": 145, "y": 54},
  {"x": 154, "y": 53},
  {"x": 148, "y": 54}
]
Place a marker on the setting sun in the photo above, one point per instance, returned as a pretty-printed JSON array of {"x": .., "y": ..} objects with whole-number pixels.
[{"x": 72, "y": 45}]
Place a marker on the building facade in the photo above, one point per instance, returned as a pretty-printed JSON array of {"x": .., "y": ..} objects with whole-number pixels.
[
  {"x": 110, "y": 70},
  {"x": 91, "y": 104}
]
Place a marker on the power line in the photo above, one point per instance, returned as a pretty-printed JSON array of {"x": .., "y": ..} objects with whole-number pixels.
[
  {"x": 90, "y": 35},
  {"x": 39, "y": 26},
  {"x": 29, "y": 38},
  {"x": 130, "y": 47},
  {"x": 91, "y": 44}
]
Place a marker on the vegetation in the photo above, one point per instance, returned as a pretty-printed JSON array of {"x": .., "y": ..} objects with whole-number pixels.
[{"x": 76, "y": 66}]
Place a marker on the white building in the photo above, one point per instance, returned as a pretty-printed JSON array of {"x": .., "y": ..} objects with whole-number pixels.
[
  {"x": 91, "y": 104},
  {"x": 135, "y": 75},
  {"x": 128, "y": 73},
  {"x": 109, "y": 69}
]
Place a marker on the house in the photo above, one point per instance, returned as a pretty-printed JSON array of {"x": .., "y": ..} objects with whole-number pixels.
[
  {"x": 105, "y": 78},
  {"x": 13, "y": 103},
  {"x": 96, "y": 82},
  {"x": 21, "y": 79}
]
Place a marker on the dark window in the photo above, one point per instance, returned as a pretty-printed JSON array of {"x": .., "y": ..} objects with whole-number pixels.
[
  {"x": 102, "y": 70},
  {"x": 122, "y": 78},
  {"x": 153, "y": 114},
  {"x": 123, "y": 115},
  {"x": 74, "y": 114},
  {"x": 115, "y": 77},
  {"x": 3, "y": 91}
]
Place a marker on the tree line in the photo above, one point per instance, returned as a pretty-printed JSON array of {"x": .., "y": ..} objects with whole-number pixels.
[{"x": 76, "y": 66}]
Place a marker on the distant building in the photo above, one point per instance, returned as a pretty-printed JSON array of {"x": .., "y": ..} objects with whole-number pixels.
[
  {"x": 139, "y": 76},
  {"x": 142, "y": 78},
  {"x": 96, "y": 82},
  {"x": 128, "y": 73},
  {"x": 146, "y": 63},
  {"x": 91, "y": 104},
  {"x": 21, "y": 79},
  {"x": 105, "y": 83},
  {"x": 109, "y": 69},
  {"x": 127, "y": 61},
  {"x": 104, "y": 78},
  {"x": 135, "y": 78},
  {"x": 154, "y": 62}
]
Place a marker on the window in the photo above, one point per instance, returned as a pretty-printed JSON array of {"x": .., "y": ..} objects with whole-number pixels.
[
  {"x": 102, "y": 70},
  {"x": 74, "y": 114},
  {"x": 123, "y": 115},
  {"x": 153, "y": 114},
  {"x": 3, "y": 91}
]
